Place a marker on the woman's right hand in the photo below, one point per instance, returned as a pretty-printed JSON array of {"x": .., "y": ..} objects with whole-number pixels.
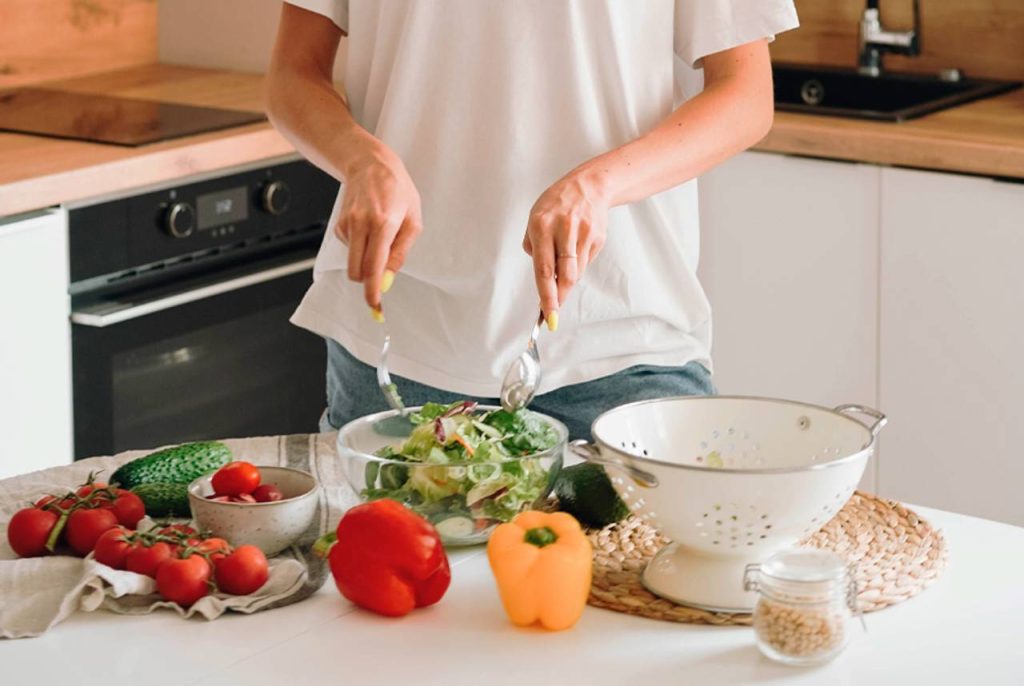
[{"x": 380, "y": 219}]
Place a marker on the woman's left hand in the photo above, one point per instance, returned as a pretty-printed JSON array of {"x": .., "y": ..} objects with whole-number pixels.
[{"x": 567, "y": 228}]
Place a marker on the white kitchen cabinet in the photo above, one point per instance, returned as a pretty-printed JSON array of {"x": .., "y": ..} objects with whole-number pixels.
[
  {"x": 35, "y": 356},
  {"x": 952, "y": 342},
  {"x": 789, "y": 260}
]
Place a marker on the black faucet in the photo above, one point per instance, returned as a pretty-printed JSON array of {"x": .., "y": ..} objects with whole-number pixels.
[{"x": 876, "y": 40}]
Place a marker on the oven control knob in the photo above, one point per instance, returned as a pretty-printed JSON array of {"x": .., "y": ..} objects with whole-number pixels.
[
  {"x": 276, "y": 197},
  {"x": 180, "y": 220}
]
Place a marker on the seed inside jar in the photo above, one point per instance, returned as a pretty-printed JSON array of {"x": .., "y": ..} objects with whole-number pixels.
[{"x": 799, "y": 631}]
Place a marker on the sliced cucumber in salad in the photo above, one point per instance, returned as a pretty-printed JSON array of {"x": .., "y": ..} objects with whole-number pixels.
[{"x": 465, "y": 469}]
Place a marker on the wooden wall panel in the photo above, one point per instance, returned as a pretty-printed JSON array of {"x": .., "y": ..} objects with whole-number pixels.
[
  {"x": 51, "y": 39},
  {"x": 980, "y": 37}
]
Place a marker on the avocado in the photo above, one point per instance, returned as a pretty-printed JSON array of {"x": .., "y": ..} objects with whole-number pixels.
[
  {"x": 178, "y": 465},
  {"x": 585, "y": 492},
  {"x": 164, "y": 500}
]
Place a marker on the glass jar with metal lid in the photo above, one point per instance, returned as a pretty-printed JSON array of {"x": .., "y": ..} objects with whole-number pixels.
[{"x": 807, "y": 598}]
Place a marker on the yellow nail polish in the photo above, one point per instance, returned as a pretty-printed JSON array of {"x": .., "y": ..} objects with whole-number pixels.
[
  {"x": 377, "y": 314},
  {"x": 387, "y": 281},
  {"x": 553, "y": 320}
]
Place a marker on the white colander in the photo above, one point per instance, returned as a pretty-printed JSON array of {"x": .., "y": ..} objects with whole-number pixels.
[{"x": 730, "y": 480}]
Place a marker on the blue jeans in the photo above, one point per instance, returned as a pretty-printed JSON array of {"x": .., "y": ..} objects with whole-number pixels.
[{"x": 352, "y": 392}]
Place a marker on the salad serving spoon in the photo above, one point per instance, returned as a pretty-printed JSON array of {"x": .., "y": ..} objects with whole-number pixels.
[
  {"x": 387, "y": 387},
  {"x": 523, "y": 376},
  {"x": 397, "y": 425}
]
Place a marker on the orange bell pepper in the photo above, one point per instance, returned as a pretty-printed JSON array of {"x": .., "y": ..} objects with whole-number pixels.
[{"x": 542, "y": 564}]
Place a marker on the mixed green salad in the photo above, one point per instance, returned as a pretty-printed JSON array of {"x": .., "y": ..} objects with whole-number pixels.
[{"x": 465, "y": 469}]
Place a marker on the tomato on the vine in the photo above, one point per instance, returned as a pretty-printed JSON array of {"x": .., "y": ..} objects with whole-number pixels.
[
  {"x": 44, "y": 501},
  {"x": 242, "y": 572},
  {"x": 29, "y": 530},
  {"x": 236, "y": 478},
  {"x": 184, "y": 581},
  {"x": 112, "y": 547},
  {"x": 213, "y": 547},
  {"x": 176, "y": 529},
  {"x": 88, "y": 488},
  {"x": 85, "y": 526},
  {"x": 128, "y": 508},
  {"x": 147, "y": 559}
]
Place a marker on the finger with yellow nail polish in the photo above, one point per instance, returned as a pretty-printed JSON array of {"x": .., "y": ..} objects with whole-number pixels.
[
  {"x": 387, "y": 280},
  {"x": 553, "y": 320}
]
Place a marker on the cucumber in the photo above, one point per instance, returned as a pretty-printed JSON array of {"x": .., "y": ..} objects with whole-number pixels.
[
  {"x": 455, "y": 527},
  {"x": 164, "y": 500},
  {"x": 178, "y": 465},
  {"x": 585, "y": 492}
]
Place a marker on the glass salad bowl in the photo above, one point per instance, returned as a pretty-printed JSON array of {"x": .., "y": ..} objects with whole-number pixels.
[{"x": 465, "y": 468}]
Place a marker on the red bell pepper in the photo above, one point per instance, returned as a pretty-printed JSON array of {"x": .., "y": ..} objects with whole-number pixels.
[{"x": 388, "y": 559}]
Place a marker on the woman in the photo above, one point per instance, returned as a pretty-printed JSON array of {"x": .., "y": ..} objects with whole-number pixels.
[{"x": 464, "y": 123}]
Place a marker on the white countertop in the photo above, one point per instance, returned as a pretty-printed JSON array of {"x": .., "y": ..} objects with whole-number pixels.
[{"x": 968, "y": 628}]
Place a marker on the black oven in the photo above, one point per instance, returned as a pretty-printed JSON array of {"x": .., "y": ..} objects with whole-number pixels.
[{"x": 180, "y": 305}]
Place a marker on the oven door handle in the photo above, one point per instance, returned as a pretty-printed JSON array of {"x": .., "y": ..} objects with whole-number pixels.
[{"x": 109, "y": 313}]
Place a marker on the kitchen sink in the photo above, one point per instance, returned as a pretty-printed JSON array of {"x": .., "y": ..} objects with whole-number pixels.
[{"x": 890, "y": 97}]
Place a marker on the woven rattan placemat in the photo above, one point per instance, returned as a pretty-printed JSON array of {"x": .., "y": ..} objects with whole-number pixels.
[{"x": 897, "y": 554}]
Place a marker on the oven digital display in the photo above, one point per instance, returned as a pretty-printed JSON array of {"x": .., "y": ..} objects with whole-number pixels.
[{"x": 222, "y": 207}]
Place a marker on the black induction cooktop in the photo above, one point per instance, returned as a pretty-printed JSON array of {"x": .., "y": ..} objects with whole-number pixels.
[{"x": 108, "y": 119}]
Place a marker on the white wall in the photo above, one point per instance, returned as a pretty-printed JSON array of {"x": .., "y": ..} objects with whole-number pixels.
[{"x": 226, "y": 34}]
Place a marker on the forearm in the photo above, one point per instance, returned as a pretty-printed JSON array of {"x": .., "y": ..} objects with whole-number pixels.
[
  {"x": 732, "y": 113},
  {"x": 313, "y": 116}
]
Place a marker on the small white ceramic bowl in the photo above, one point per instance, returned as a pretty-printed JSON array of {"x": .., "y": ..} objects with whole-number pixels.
[{"x": 271, "y": 526}]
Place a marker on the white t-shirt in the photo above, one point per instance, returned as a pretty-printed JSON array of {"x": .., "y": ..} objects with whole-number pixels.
[{"x": 488, "y": 102}]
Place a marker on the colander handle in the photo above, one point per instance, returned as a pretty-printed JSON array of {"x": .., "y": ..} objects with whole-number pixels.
[
  {"x": 880, "y": 419},
  {"x": 591, "y": 453}
]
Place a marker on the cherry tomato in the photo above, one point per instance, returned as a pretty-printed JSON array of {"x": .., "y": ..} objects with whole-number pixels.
[
  {"x": 128, "y": 508},
  {"x": 29, "y": 529},
  {"x": 45, "y": 500},
  {"x": 214, "y": 547},
  {"x": 175, "y": 529},
  {"x": 147, "y": 559},
  {"x": 85, "y": 526},
  {"x": 267, "y": 493},
  {"x": 112, "y": 547},
  {"x": 89, "y": 488},
  {"x": 243, "y": 571},
  {"x": 184, "y": 581},
  {"x": 236, "y": 478}
]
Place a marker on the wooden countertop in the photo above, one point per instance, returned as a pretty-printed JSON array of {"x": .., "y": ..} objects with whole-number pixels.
[
  {"x": 38, "y": 172},
  {"x": 985, "y": 137}
]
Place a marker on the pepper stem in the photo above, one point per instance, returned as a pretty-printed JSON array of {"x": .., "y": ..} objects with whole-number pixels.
[{"x": 540, "y": 536}]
